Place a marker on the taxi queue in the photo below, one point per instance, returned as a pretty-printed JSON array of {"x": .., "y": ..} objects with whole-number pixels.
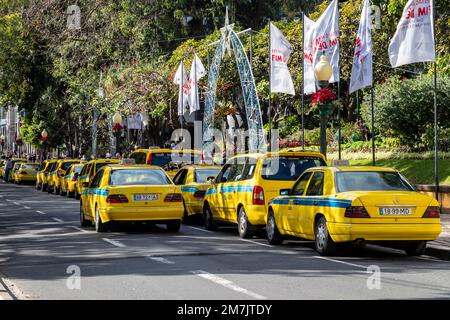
[{"x": 292, "y": 194}]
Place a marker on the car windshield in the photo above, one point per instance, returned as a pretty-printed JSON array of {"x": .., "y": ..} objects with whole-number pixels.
[
  {"x": 163, "y": 158},
  {"x": 202, "y": 174},
  {"x": 34, "y": 166},
  {"x": 66, "y": 165},
  {"x": 150, "y": 177},
  {"x": 100, "y": 165},
  {"x": 371, "y": 181},
  {"x": 289, "y": 168}
]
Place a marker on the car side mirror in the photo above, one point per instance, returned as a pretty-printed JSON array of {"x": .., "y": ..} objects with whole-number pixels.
[{"x": 285, "y": 192}]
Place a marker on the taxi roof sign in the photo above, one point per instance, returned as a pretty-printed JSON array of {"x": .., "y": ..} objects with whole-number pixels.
[
  {"x": 127, "y": 162},
  {"x": 340, "y": 163}
]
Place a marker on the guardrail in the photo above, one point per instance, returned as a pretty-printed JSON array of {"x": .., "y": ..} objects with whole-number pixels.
[{"x": 444, "y": 195}]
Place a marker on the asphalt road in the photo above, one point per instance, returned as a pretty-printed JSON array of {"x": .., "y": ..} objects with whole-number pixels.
[{"x": 42, "y": 247}]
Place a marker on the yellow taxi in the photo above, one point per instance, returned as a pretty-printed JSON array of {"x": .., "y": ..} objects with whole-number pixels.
[
  {"x": 247, "y": 183},
  {"x": 194, "y": 181},
  {"x": 332, "y": 205},
  {"x": 89, "y": 170},
  {"x": 26, "y": 172},
  {"x": 70, "y": 180},
  {"x": 42, "y": 176},
  {"x": 171, "y": 160},
  {"x": 15, "y": 166},
  {"x": 57, "y": 174},
  {"x": 131, "y": 193}
]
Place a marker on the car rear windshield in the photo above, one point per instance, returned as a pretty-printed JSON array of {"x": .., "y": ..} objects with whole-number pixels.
[
  {"x": 34, "y": 166},
  {"x": 66, "y": 165},
  {"x": 288, "y": 168},
  {"x": 202, "y": 174},
  {"x": 161, "y": 159},
  {"x": 371, "y": 181},
  {"x": 150, "y": 177},
  {"x": 100, "y": 165}
]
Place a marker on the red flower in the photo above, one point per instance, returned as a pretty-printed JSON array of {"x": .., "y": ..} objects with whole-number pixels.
[{"x": 322, "y": 96}]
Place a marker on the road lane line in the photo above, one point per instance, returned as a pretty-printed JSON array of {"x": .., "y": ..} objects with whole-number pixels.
[
  {"x": 226, "y": 283},
  {"x": 114, "y": 243},
  {"x": 58, "y": 220},
  {"x": 27, "y": 208},
  {"x": 161, "y": 259},
  {"x": 255, "y": 242},
  {"x": 200, "y": 229},
  {"x": 40, "y": 212},
  {"x": 77, "y": 228},
  {"x": 342, "y": 262},
  {"x": 16, "y": 203}
]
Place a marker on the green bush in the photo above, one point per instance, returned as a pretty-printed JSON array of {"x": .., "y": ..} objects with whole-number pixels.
[{"x": 404, "y": 110}]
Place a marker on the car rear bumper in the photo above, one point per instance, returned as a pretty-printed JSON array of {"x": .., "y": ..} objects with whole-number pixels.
[
  {"x": 194, "y": 207},
  {"x": 343, "y": 232},
  {"x": 256, "y": 214},
  {"x": 142, "y": 214}
]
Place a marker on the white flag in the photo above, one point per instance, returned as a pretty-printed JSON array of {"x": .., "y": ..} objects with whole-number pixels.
[
  {"x": 280, "y": 49},
  {"x": 181, "y": 80},
  {"x": 309, "y": 80},
  {"x": 362, "y": 58},
  {"x": 414, "y": 39},
  {"x": 325, "y": 38},
  {"x": 197, "y": 72}
]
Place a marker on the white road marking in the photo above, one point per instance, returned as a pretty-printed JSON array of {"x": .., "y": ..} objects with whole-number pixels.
[
  {"x": 58, "y": 220},
  {"x": 9, "y": 200},
  {"x": 160, "y": 259},
  {"x": 255, "y": 242},
  {"x": 114, "y": 243},
  {"x": 200, "y": 229},
  {"x": 40, "y": 212},
  {"x": 77, "y": 228},
  {"x": 342, "y": 262},
  {"x": 226, "y": 283},
  {"x": 25, "y": 207},
  {"x": 16, "y": 203}
]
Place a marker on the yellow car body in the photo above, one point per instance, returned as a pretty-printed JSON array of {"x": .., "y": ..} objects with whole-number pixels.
[
  {"x": 26, "y": 172},
  {"x": 171, "y": 160},
  {"x": 193, "y": 182},
  {"x": 89, "y": 170},
  {"x": 70, "y": 179},
  {"x": 247, "y": 183},
  {"x": 43, "y": 175},
  {"x": 344, "y": 204},
  {"x": 131, "y": 193},
  {"x": 56, "y": 176},
  {"x": 15, "y": 167},
  {"x": 40, "y": 174},
  {"x": 2, "y": 168}
]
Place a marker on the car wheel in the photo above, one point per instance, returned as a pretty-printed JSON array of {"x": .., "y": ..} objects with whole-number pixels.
[
  {"x": 77, "y": 196},
  {"x": 49, "y": 189},
  {"x": 83, "y": 221},
  {"x": 416, "y": 248},
  {"x": 174, "y": 226},
  {"x": 99, "y": 225},
  {"x": 273, "y": 234},
  {"x": 324, "y": 244},
  {"x": 208, "y": 218},
  {"x": 68, "y": 193},
  {"x": 244, "y": 225},
  {"x": 38, "y": 187}
]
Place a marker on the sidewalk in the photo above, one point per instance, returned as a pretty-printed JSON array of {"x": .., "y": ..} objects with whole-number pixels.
[{"x": 441, "y": 247}]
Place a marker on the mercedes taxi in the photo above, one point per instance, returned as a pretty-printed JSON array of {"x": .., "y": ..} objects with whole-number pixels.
[
  {"x": 70, "y": 179},
  {"x": 89, "y": 170},
  {"x": 246, "y": 183},
  {"x": 56, "y": 176},
  {"x": 26, "y": 172},
  {"x": 43, "y": 174},
  {"x": 122, "y": 193},
  {"x": 333, "y": 205}
]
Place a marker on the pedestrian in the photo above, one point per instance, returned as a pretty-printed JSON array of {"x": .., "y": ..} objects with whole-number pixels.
[
  {"x": 8, "y": 168},
  {"x": 108, "y": 155},
  {"x": 117, "y": 156}
]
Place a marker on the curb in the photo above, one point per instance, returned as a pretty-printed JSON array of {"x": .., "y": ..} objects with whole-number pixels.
[{"x": 437, "y": 251}]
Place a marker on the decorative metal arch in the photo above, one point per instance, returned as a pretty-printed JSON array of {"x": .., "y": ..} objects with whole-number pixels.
[{"x": 251, "y": 101}]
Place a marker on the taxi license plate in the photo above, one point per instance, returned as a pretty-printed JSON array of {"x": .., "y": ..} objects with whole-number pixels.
[
  {"x": 395, "y": 211},
  {"x": 145, "y": 197}
]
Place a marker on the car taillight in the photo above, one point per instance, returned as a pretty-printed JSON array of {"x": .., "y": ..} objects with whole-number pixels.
[
  {"x": 356, "y": 212},
  {"x": 117, "y": 198},
  {"x": 173, "y": 197},
  {"x": 45, "y": 173},
  {"x": 258, "y": 195},
  {"x": 150, "y": 158},
  {"x": 199, "y": 194},
  {"x": 432, "y": 212}
]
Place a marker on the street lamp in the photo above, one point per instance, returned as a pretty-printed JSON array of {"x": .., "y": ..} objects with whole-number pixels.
[
  {"x": 323, "y": 72},
  {"x": 117, "y": 128}
]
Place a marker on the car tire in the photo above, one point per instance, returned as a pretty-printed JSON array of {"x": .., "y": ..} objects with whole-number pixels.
[
  {"x": 324, "y": 244},
  {"x": 174, "y": 226},
  {"x": 208, "y": 218},
  {"x": 273, "y": 234},
  {"x": 244, "y": 225},
  {"x": 38, "y": 186},
  {"x": 416, "y": 248},
  {"x": 60, "y": 192},
  {"x": 68, "y": 193},
  {"x": 99, "y": 225},
  {"x": 77, "y": 196},
  {"x": 49, "y": 190},
  {"x": 83, "y": 221}
]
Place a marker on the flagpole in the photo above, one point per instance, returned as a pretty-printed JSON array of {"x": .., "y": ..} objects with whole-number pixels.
[
  {"x": 372, "y": 120},
  {"x": 182, "y": 92},
  {"x": 303, "y": 82},
  {"x": 270, "y": 87},
  {"x": 436, "y": 132},
  {"x": 339, "y": 119}
]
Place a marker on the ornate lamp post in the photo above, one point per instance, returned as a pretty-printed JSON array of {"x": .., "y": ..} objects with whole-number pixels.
[
  {"x": 117, "y": 128},
  {"x": 44, "y": 136},
  {"x": 322, "y": 98}
]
